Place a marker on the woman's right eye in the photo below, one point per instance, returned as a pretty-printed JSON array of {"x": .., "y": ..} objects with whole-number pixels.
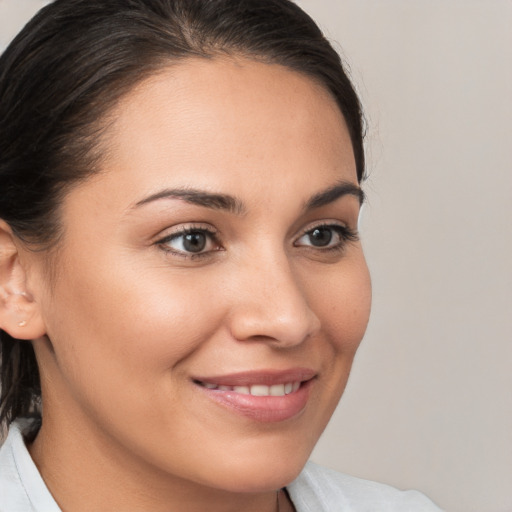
[{"x": 190, "y": 242}]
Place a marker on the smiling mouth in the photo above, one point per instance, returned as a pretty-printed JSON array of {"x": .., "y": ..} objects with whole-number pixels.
[
  {"x": 256, "y": 389},
  {"x": 261, "y": 395},
  {"x": 266, "y": 396}
]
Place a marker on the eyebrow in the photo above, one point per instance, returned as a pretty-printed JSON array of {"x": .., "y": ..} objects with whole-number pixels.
[
  {"x": 333, "y": 193},
  {"x": 200, "y": 198},
  {"x": 217, "y": 201}
]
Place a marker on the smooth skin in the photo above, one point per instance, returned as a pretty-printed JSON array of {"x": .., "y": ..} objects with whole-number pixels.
[{"x": 135, "y": 310}]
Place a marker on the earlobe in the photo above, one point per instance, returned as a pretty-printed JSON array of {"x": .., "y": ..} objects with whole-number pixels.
[{"x": 19, "y": 312}]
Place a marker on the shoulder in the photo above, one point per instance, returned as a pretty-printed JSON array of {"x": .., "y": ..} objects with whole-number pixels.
[
  {"x": 21, "y": 486},
  {"x": 11, "y": 486},
  {"x": 318, "y": 489}
]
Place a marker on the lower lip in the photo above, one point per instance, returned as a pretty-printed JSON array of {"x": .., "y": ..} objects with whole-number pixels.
[{"x": 267, "y": 409}]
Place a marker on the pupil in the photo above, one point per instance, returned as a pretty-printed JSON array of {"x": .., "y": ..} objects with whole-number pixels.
[
  {"x": 320, "y": 237},
  {"x": 194, "y": 242}
]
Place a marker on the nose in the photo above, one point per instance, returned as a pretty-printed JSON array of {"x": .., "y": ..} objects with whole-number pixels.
[{"x": 270, "y": 304}]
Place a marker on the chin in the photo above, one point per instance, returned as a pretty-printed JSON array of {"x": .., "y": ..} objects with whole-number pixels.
[
  {"x": 263, "y": 471},
  {"x": 275, "y": 475}
]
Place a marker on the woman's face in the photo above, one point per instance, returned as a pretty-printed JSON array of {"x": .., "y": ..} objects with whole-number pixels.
[{"x": 210, "y": 291}]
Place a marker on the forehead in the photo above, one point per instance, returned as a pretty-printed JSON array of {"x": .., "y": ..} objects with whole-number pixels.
[{"x": 223, "y": 123}]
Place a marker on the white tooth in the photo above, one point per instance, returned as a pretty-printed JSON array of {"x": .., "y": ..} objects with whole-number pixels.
[
  {"x": 277, "y": 390},
  {"x": 209, "y": 386},
  {"x": 288, "y": 388},
  {"x": 225, "y": 388},
  {"x": 260, "y": 390},
  {"x": 296, "y": 385},
  {"x": 244, "y": 390}
]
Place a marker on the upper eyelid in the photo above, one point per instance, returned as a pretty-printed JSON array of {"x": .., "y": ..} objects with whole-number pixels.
[
  {"x": 183, "y": 229},
  {"x": 324, "y": 224},
  {"x": 214, "y": 233},
  {"x": 164, "y": 242},
  {"x": 347, "y": 233}
]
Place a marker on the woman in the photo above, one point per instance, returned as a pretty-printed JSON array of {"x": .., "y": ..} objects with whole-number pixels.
[{"x": 183, "y": 288}]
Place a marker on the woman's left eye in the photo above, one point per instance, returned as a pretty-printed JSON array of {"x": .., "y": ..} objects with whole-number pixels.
[
  {"x": 190, "y": 242},
  {"x": 332, "y": 236}
]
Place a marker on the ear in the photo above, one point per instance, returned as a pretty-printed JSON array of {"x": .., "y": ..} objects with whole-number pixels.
[{"x": 20, "y": 315}]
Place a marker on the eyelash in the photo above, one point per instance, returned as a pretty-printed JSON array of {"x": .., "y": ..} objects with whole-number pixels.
[
  {"x": 344, "y": 233},
  {"x": 210, "y": 234}
]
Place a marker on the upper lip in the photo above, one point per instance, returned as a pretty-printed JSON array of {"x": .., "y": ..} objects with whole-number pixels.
[{"x": 264, "y": 377}]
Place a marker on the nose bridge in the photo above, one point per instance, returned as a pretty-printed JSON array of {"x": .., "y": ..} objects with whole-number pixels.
[{"x": 271, "y": 303}]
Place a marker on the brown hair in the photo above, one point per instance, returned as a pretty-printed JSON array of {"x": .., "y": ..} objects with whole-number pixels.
[{"x": 69, "y": 67}]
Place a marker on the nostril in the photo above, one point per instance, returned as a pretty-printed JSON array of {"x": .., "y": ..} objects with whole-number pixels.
[
  {"x": 270, "y": 305},
  {"x": 258, "y": 325}
]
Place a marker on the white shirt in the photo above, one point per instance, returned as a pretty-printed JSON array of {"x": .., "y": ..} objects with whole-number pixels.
[{"x": 317, "y": 489}]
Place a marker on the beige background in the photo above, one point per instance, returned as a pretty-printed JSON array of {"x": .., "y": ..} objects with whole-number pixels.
[{"x": 429, "y": 404}]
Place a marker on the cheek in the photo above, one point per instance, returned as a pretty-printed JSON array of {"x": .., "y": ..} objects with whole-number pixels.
[
  {"x": 342, "y": 301},
  {"x": 341, "y": 298},
  {"x": 120, "y": 332}
]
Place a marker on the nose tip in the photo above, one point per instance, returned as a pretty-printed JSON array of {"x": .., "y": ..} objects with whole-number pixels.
[
  {"x": 285, "y": 330},
  {"x": 275, "y": 310}
]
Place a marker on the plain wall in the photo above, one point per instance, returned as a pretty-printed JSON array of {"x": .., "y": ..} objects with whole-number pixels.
[{"x": 429, "y": 403}]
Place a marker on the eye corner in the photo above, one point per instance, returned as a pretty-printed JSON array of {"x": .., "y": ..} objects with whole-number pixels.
[
  {"x": 191, "y": 242},
  {"x": 331, "y": 236}
]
